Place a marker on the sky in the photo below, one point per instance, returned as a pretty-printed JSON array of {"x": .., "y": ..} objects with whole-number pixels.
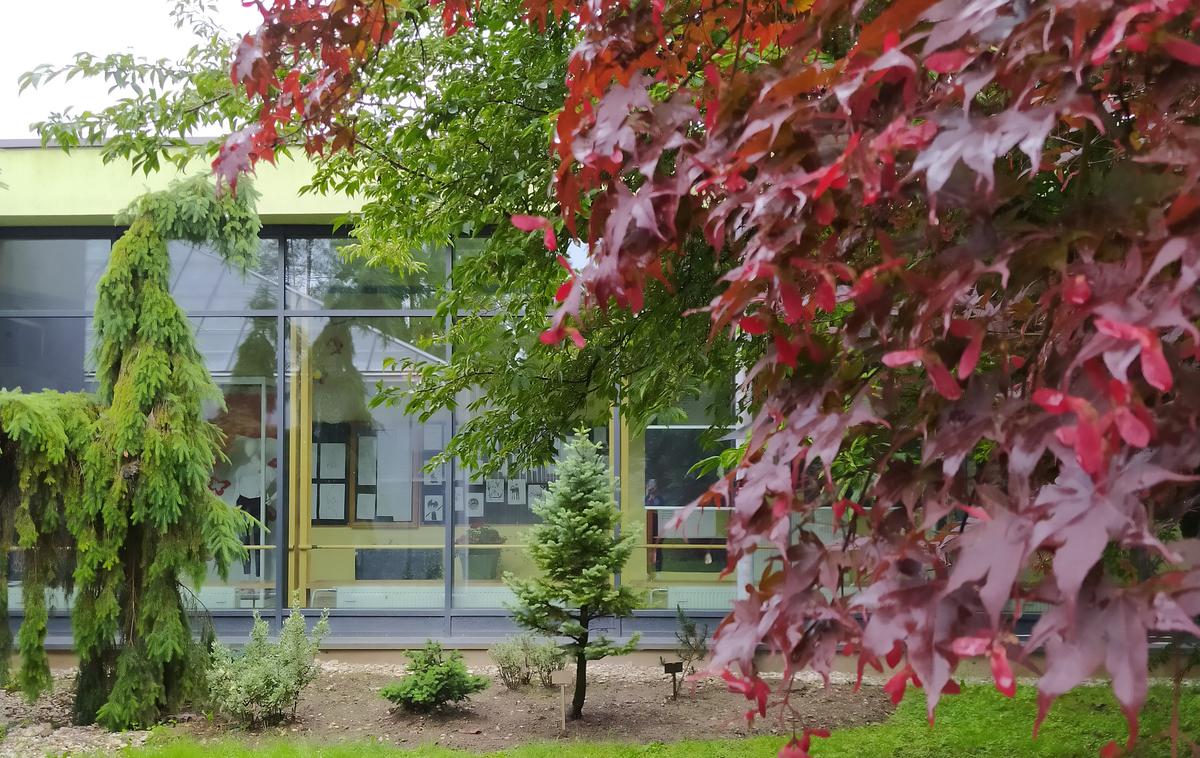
[{"x": 52, "y": 31}]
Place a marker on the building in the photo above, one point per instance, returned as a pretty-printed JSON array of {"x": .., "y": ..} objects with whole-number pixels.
[{"x": 300, "y": 345}]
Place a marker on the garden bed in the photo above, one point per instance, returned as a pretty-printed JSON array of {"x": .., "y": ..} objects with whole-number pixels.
[{"x": 625, "y": 703}]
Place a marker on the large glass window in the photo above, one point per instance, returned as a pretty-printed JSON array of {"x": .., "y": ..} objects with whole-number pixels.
[
  {"x": 239, "y": 353},
  {"x": 43, "y": 353},
  {"x": 56, "y": 275},
  {"x": 319, "y": 276},
  {"x": 201, "y": 280},
  {"x": 676, "y": 564},
  {"x": 371, "y": 521}
]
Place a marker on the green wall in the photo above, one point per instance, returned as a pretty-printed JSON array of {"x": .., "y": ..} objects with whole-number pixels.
[{"x": 48, "y": 187}]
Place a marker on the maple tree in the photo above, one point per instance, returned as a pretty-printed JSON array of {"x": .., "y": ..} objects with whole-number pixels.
[{"x": 964, "y": 230}]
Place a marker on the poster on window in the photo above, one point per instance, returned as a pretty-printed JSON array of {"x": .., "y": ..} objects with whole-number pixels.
[
  {"x": 535, "y": 492},
  {"x": 434, "y": 509},
  {"x": 434, "y": 477},
  {"x": 460, "y": 498},
  {"x": 474, "y": 505},
  {"x": 494, "y": 490},
  {"x": 516, "y": 492}
]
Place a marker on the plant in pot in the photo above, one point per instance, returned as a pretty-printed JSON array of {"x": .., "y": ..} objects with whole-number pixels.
[{"x": 483, "y": 564}]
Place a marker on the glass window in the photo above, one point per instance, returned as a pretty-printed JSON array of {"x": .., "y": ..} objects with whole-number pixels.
[
  {"x": 320, "y": 277},
  {"x": 675, "y": 564},
  {"x": 373, "y": 524},
  {"x": 239, "y": 353},
  {"x": 201, "y": 281},
  {"x": 43, "y": 353},
  {"x": 493, "y": 515},
  {"x": 51, "y": 274}
]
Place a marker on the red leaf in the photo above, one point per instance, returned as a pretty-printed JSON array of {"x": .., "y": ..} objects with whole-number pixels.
[
  {"x": 794, "y": 749},
  {"x": 901, "y": 358},
  {"x": 947, "y": 61},
  {"x": 969, "y": 647},
  {"x": 1111, "y": 750},
  {"x": 1116, "y": 32},
  {"x": 1002, "y": 673},
  {"x": 752, "y": 688},
  {"x": 753, "y": 325},
  {"x": 974, "y": 511},
  {"x": 1120, "y": 330},
  {"x": 793, "y": 301},
  {"x": 1154, "y": 366},
  {"x": 1076, "y": 290},
  {"x": 786, "y": 350},
  {"x": 1181, "y": 49},
  {"x": 970, "y": 355},
  {"x": 534, "y": 223},
  {"x": 564, "y": 290},
  {"x": 1131, "y": 428},
  {"x": 942, "y": 381},
  {"x": 1051, "y": 401},
  {"x": 576, "y": 337},
  {"x": 840, "y": 506},
  {"x": 896, "y": 685}
]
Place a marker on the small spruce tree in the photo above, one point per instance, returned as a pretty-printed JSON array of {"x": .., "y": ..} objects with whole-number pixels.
[{"x": 577, "y": 554}]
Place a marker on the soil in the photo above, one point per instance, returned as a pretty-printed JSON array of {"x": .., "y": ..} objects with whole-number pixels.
[{"x": 624, "y": 704}]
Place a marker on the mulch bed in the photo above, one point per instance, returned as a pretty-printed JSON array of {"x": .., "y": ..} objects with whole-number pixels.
[{"x": 625, "y": 703}]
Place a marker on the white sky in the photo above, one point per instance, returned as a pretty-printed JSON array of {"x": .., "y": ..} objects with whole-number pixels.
[{"x": 52, "y": 31}]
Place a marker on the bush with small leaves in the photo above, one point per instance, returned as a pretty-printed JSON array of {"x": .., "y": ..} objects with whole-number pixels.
[
  {"x": 435, "y": 680},
  {"x": 545, "y": 658},
  {"x": 519, "y": 659},
  {"x": 511, "y": 663},
  {"x": 262, "y": 685}
]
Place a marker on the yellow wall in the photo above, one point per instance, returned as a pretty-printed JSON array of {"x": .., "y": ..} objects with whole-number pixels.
[
  {"x": 46, "y": 186},
  {"x": 329, "y": 567}
]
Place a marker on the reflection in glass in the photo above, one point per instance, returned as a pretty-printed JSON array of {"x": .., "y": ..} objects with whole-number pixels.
[
  {"x": 239, "y": 353},
  {"x": 678, "y": 565},
  {"x": 373, "y": 530},
  {"x": 320, "y": 277},
  {"x": 40, "y": 353},
  {"x": 51, "y": 274},
  {"x": 201, "y": 281}
]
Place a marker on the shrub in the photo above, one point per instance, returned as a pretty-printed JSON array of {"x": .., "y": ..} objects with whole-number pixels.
[
  {"x": 519, "y": 659},
  {"x": 435, "y": 679},
  {"x": 511, "y": 663},
  {"x": 544, "y": 659},
  {"x": 262, "y": 685}
]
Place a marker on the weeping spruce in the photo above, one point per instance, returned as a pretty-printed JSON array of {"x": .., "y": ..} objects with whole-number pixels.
[
  {"x": 577, "y": 554},
  {"x": 118, "y": 480}
]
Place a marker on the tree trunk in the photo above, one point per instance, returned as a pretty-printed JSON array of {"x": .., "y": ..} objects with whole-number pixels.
[{"x": 580, "y": 679}]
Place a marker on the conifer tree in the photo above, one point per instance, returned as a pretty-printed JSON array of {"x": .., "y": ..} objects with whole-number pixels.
[
  {"x": 577, "y": 554},
  {"x": 148, "y": 519},
  {"x": 121, "y": 476}
]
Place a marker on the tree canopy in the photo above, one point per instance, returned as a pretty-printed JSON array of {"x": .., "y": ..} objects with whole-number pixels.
[{"x": 962, "y": 230}]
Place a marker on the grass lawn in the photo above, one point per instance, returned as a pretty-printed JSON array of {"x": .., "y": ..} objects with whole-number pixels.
[{"x": 979, "y": 723}]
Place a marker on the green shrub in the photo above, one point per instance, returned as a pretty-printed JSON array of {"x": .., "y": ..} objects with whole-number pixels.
[
  {"x": 435, "y": 679},
  {"x": 262, "y": 685},
  {"x": 511, "y": 663},
  {"x": 545, "y": 658},
  {"x": 519, "y": 659}
]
